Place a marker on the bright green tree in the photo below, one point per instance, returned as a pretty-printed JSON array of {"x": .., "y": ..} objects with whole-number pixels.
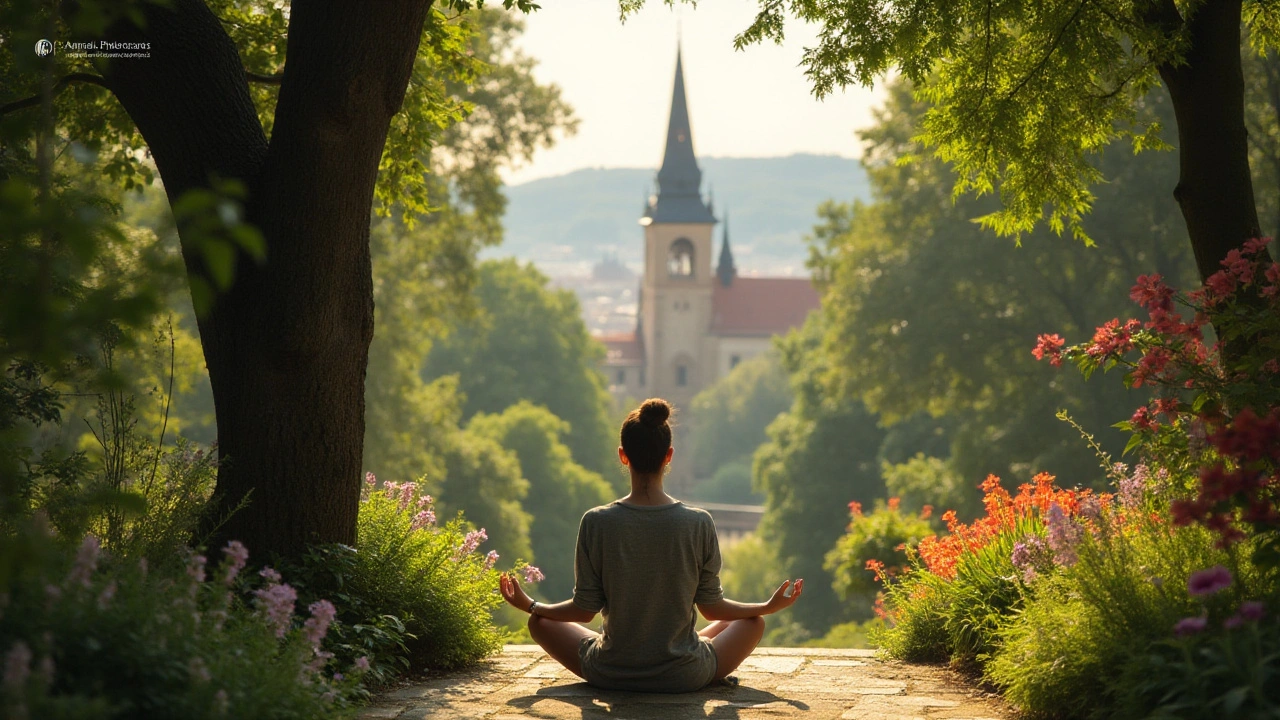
[
  {"x": 528, "y": 342},
  {"x": 928, "y": 313},
  {"x": 820, "y": 456},
  {"x": 1024, "y": 95},
  {"x": 560, "y": 490},
  {"x": 731, "y": 415}
]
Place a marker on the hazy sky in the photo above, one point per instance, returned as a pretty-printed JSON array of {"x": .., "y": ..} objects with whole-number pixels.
[{"x": 754, "y": 103}]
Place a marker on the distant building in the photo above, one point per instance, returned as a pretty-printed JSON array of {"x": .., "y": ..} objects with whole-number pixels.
[{"x": 694, "y": 322}]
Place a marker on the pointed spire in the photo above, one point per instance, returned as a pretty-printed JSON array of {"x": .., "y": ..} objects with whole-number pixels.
[
  {"x": 725, "y": 269},
  {"x": 680, "y": 179}
]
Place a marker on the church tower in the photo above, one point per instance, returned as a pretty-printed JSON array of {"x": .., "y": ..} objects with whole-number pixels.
[{"x": 675, "y": 299}]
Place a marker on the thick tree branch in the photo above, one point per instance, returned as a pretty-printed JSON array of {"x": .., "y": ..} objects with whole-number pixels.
[
  {"x": 58, "y": 87},
  {"x": 264, "y": 79}
]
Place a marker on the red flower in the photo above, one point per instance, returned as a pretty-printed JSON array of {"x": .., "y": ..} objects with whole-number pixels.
[
  {"x": 1049, "y": 346},
  {"x": 894, "y": 503},
  {"x": 926, "y": 512},
  {"x": 1221, "y": 283},
  {"x": 855, "y": 508},
  {"x": 1151, "y": 292}
]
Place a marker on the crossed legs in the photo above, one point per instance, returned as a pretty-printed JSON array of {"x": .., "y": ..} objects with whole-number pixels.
[{"x": 733, "y": 641}]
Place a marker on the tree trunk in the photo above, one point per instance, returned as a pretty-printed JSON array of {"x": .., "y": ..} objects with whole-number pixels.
[
  {"x": 1215, "y": 188},
  {"x": 287, "y": 345}
]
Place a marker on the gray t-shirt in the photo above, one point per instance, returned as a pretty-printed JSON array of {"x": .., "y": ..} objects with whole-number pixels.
[{"x": 644, "y": 567}]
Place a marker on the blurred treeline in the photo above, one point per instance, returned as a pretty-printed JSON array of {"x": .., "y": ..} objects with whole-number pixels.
[{"x": 915, "y": 379}]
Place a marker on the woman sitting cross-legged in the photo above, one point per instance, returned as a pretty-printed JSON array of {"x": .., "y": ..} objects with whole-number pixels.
[{"x": 646, "y": 561}]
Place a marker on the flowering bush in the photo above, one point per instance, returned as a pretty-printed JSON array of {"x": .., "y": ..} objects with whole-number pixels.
[
  {"x": 874, "y": 545},
  {"x": 412, "y": 593},
  {"x": 88, "y": 634},
  {"x": 1217, "y": 413}
]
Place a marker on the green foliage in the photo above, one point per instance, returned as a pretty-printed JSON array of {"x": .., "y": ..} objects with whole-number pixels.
[
  {"x": 930, "y": 481},
  {"x": 483, "y": 479},
  {"x": 846, "y": 635},
  {"x": 731, "y": 415},
  {"x": 820, "y": 456},
  {"x": 1096, "y": 626},
  {"x": 929, "y": 314},
  {"x": 528, "y": 342},
  {"x": 407, "y": 596},
  {"x": 882, "y": 537},
  {"x": 1025, "y": 94},
  {"x": 750, "y": 570},
  {"x": 1205, "y": 678},
  {"x": 121, "y": 641},
  {"x": 560, "y": 490},
  {"x": 731, "y": 483}
]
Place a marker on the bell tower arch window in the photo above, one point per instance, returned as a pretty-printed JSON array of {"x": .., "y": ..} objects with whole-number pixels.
[{"x": 680, "y": 259}]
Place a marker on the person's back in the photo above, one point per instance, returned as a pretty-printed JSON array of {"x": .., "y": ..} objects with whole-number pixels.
[
  {"x": 646, "y": 561},
  {"x": 644, "y": 567}
]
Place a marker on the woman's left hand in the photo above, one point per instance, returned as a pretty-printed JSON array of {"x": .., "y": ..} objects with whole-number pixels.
[{"x": 511, "y": 591}]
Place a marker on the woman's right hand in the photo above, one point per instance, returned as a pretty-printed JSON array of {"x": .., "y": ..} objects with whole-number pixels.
[{"x": 781, "y": 599}]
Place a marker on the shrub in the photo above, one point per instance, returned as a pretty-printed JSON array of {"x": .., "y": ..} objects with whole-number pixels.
[
  {"x": 874, "y": 544},
  {"x": 411, "y": 594},
  {"x": 929, "y": 481},
  {"x": 962, "y": 586},
  {"x": 87, "y": 634}
]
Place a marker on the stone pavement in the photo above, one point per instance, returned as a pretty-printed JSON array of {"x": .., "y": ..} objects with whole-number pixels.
[{"x": 523, "y": 683}]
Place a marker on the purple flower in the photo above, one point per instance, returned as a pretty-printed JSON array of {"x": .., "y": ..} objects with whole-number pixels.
[
  {"x": 370, "y": 479},
  {"x": 533, "y": 574},
  {"x": 269, "y": 575},
  {"x": 1064, "y": 535},
  {"x": 1190, "y": 626},
  {"x": 1133, "y": 487},
  {"x": 362, "y": 663},
  {"x": 490, "y": 560},
  {"x": 1208, "y": 582},
  {"x": 108, "y": 592},
  {"x": 1030, "y": 555},
  {"x": 237, "y": 555},
  {"x": 407, "y": 491},
  {"x": 1252, "y": 610}
]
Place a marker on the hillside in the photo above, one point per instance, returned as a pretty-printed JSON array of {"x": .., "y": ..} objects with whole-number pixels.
[{"x": 568, "y": 222}]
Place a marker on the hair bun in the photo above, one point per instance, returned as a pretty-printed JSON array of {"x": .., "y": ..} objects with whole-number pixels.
[{"x": 655, "y": 411}]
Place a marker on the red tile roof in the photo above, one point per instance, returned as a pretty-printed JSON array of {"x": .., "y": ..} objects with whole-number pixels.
[
  {"x": 623, "y": 348},
  {"x": 761, "y": 306}
]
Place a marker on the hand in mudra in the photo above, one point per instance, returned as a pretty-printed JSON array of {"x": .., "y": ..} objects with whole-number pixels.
[
  {"x": 782, "y": 599},
  {"x": 511, "y": 591}
]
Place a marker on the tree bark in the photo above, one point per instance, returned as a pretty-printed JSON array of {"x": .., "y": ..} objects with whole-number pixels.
[
  {"x": 287, "y": 345},
  {"x": 1215, "y": 188}
]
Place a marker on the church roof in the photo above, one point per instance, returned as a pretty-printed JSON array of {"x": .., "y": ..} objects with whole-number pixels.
[
  {"x": 623, "y": 348},
  {"x": 726, "y": 271},
  {"x": 679, "y": 197},
  {"x": 756, "y": 307}
]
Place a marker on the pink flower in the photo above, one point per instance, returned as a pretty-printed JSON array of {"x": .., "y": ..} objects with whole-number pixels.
[
  {"x": 269, "y": 575},
  {"x": 362, "y": 663},
  {"x": 1253, "y": 246},
  {"x": 423, "y": 519},
  {"x": 490, "y": 559},
  {"x": 470, "y": 543},
  {"x": 86, "y": 561},
  {"x": 1252, "y": 610},
  {"x": 1151, "y": 292},
  {"x": 237, "y": 555},
  {"x": 533, "y": 574},
  {"x": 1190, "y": 626},
  {"x": 370, "y": 479},
  {"x": 17, "y": 666},
  {"x": 277, "y": 600},
  {"x": 108, "y": 592},
  {"x": 315, "y": 628},
  {"x": 1221, "y": 284},
  {"x": 195, "y": 569},
  {"x": 1208, "y": 582}
]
